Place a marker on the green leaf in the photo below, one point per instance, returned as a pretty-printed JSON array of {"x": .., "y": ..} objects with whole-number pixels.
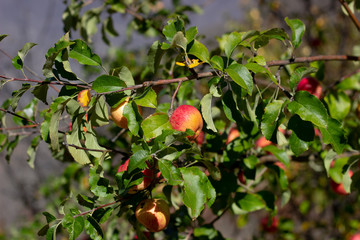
[
  {"x": 249, "y": 202},
  {"x": 278, "y": 153},
  {"x": 126, "y": 76},
  {"x": 83, "y": 54},
  {"x": 334, "y": 134},
  {"x": 171, "y": 173},
  {"x": 49, "y": 217},
  {"x": 197, "y": 49},
  {"x": 93, "y": 228},
  {"x": 18, "y": 61},
  {"x": 231, "y": 42},
  {"x": 298, "y": 74},
  {"x": 154, "y": 125},
  {"x": 57, "y": 108},
  {"x": 31, "y": 151},
  {"x": 197, "y": 190},
  {"x": 91, "y": 142},
  {"x": 131, "y": 116},
  {"x": 217, "y": 62},
  {"x": 52, "y": 54},
  {"x": 147, "y": 99},
  {"x": 297, "y": 28},
  {"x": 99, "y": 186},
  {"x": 79, "y": 155},
  {"x": 40, "y": 92},
  {"x": 85, "y": 201},
  {"x": 329, "y": 157},
  {"x": 309, "y": 108},
  {"x": 352, "y": 82},
  {"x": 17, "y": 94},
  {"x": 2, "y": 36},
  {"x": 74, "y": 226},
  {"x": 99, "y": 113},
  {"x": 137, "y": 160},
  {"x": 283, "y": 182},
  {"x": 241, "y": 75},
  {"x": 302, "y": 134},
  {"x": 173, "y": 26},
  {"x": 206, "y": 112},
  {"x": 154, "y": 56},
  {"x": 106, "y": 83},
  {"x": 339, "y": 104},
  {"x": 191, "y": 33},
  {"x": 257, "y": 68},
  {"x": 271, "y": 115},
  {"x": 179, "y": 40}
]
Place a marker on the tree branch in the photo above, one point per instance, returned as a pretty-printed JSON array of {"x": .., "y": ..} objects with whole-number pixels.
[
  {"x": 17, "y": 115},
  {"x": 351, "y": 14},
  {"x": 313, "y": 59}
]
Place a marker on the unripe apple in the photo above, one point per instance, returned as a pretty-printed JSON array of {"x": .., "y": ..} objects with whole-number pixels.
[
  {"x": 233, "y": 133},
  {"x": 339, "y": 187},
  {"x": 117, "y": 114},
  {"x": 311, "y": 85},
  {"x": 149, "y": 176},
  {"x": 154, "y": 214},
  {"x": 84, "y": 97},
  {"x": 270, "y": 226},
  {"x": 356, "y": 236},
  {"x": 187, "y": 117}
]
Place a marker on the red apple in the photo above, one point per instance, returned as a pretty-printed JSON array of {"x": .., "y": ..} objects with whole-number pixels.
[
  {"x": 355, "y": 236},
  {"x": 262, "y": 142},
  {"x": 154, "y": 214},
  {"x": 270, "y": 226},
  {"x": 149, "y": 176},
  {"x": 241, "y": 176},
  {"x": 311, "y": 85},
  {"x": 233, "y": 133},
  {"x": 201, "y": 138},
  {"x": 187, "y": 117},
  {"x": 146, "y": 234},
  {"x": 339, "y": 187}
]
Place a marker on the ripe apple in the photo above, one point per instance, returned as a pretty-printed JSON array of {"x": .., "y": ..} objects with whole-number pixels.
[
  {"x": 339, "y": 187},
  {"x": 355, "y": 236},
  {"x": 149, "y": 176},
  {"x": 241, "y": 176},
  {"x": 270, "y": 226},
  {"x": 262, "y": 142},
  {"x": 200, "y": 139},
  {"x": 154, "y": 214},
  {"x": 187, "y": 117},
  {"x": 84, "y": 97},
  {"x": 311, "y": 85},
  {"x": 233, "y": 133},
  {"x": 117, "y": 114}
]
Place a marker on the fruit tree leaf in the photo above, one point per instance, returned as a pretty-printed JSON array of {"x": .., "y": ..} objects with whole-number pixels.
[
  {"x": 217, "y": 62},
  {"x": 309, "y": 108},
  {"x": 257, "y": 68},
  {"x": 197, "y": 190},
  {"x": 106, "y": 83},
  {"x": 132, "y": 118},
  {"x": 2, "y": 36},
  {"x": 231, "y": 42},
  {"x": 302, "y": 134},
  {"x": 137, "y": 160},
  {"x": 83, "y": 54},
  {"x": 191, "y": 33},
  {"x": 269, "y": 120},
  {"x": 154, "y": 125},
  {"x": 79, "y": 155},
  {"x": 93, "y": 228},
  {"x": 17, "y": 94},
  {"x": 249, "y": 202},
  {"x": 334, "y": 134},
  {"x": 298, "y": 74},
  {"x": 74, "y": 226},
  {"x": 171, "y": 173},
  {"x": 206, "y": 112},
  {"x": 197, "y": 49},
  {"x": 339, "y": 104},
  {"x": 99, "y": 186},
  {"x": 31, "y": 151},
  {"x": 283, "y": 181},
  {"x": 172, "y": 27},
  {"x": 18, "y": 61},
  {"x": 297, "y": 28},
  {"x": 278, "y": 153},
  {"x": 147, "y": 99},
  {"x": 154, "y": 56},
  {"x": 179, "y": 40},
  {"x": 352, "y": 82},
  {"x": 329, "y": 157},
  {"x": 241, "y": 75}
]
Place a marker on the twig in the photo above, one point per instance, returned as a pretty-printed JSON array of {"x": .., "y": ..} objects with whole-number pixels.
[
  {"x": 313, "y": 59},
  {"x": 87, "y": 149},
  {"x": 17, "y": 115},
  {"x": 351, "y": 14},
  {"x": 94, "y": 209},
  {"x": 20, "y": 127},
  {"x": 174, "y": 96}
]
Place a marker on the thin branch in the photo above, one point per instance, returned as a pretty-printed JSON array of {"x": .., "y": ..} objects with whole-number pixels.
[
  {"x": 351, "y": 14},
  {"x": 20, "y": 127},
  {"x": 313, "y": 59},
  {"x": 94, "y": 209},
  {"x": 17, "y": 115},
  {"x": 87, "y": 149},
  {"x": 174, "y": 96}
]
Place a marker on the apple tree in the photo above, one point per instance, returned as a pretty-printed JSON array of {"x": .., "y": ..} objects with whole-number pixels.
[{"x": 266, "y": 136}]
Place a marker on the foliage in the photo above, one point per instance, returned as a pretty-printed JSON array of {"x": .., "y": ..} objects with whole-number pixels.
[{"x": 225, "y": 84}]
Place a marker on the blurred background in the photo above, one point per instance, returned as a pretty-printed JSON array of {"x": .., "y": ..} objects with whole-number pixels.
[{"x": 329, "y": 31}]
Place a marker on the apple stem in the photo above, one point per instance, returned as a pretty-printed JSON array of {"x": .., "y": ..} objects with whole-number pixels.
[{"x": 173, "y": 97}]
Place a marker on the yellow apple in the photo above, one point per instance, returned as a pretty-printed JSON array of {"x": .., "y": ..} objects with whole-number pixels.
[{"x": 154, "y": 214}]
